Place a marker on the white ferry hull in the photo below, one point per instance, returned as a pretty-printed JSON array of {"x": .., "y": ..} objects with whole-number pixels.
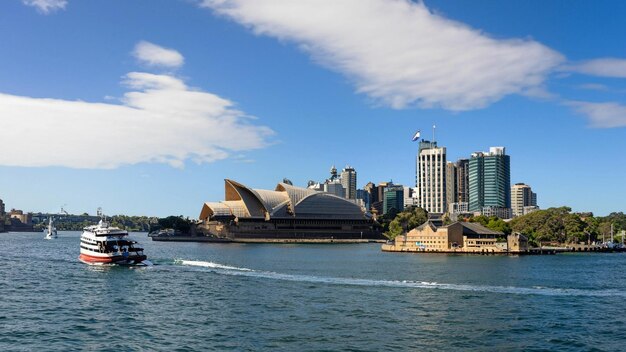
[{"x": 114, "y": 260}]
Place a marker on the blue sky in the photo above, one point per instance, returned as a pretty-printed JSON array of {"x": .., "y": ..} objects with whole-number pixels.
[{"x": 144, "y": 107}]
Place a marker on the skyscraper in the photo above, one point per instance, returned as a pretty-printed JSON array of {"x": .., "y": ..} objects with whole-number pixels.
[
  {"x": 431, "y": 177},
  {"x": 348, "y": 181},
  {"x": 457, "y": 191},
  {"x": 452, "y": 184},
  {"x": 522, "y": 197},
  {"x": 490, "y": 182},
  {"x": 462, "y": 180}
]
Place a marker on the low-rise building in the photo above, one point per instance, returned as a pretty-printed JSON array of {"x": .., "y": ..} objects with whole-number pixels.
[
  {"x": 529, "y": 209},
  {"x": 459, "y": 237},
  {"x": 458, "y": 208},
  {"x": 500, "y": 212},
  {"x": 517, "y": 243},
  {"x": 410, "y": 197},
  {"x": 26, "y": 219}
]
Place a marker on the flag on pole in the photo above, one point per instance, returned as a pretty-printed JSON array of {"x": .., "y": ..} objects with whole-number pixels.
[{"x": 416, "y": 136}]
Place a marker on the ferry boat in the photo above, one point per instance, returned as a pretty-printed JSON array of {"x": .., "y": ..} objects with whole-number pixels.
[{"x": 103, "y": 244}]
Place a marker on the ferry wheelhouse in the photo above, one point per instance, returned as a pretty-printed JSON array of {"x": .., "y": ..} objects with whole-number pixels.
[{"x": 103, "y": 244}]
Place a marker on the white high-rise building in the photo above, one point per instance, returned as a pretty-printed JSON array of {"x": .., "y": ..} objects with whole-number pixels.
[
  {"x": 523, "y": 199},
  {"x": 431, "y": 178}
]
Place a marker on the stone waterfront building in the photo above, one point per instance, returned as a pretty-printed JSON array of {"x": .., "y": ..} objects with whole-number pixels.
[{"x": 459, "y": 237}]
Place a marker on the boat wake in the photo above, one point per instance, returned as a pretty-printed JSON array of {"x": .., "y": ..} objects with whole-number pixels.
[
  {"x": 535, "y": 290},
  {"x": 208, "y": 265}
]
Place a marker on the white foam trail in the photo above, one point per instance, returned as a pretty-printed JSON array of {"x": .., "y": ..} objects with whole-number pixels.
[
  {"x": 536, "y": 290},
  {"x": 208, "y": 265}
]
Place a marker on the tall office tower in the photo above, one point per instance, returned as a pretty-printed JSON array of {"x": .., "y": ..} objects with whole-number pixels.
[
  {"x": 376, "y": 197},
  {"x": 452, "y": 184},
  {"x": 348, "y": 181},
  {"x": 490, "y": 182},
  {"x": 522, "y": 197},
  {"x": 431, "y": 169},
  {"x": 423, "y": 144},
  {"x": 462, "y": 181},
  {"x": 380, "y": 196},
  {"x": 372, "y": 190}
]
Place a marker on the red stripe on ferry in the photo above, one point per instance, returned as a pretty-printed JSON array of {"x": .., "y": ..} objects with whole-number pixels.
[{"x": 92, "y": 259}]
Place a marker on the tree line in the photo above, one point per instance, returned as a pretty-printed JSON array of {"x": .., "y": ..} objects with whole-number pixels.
[
  {"x": 125, "y": 222},
  {"x": 556, "y": 225}
]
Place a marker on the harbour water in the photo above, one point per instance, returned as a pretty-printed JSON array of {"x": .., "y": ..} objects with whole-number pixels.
[{"x": 210, "y": 296}]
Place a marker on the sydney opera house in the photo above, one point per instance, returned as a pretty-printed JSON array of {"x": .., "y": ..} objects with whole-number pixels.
[{"x": 287, "y": 213}]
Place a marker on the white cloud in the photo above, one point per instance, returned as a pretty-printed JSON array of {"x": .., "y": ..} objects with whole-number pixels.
[
  {"x": 160, "y": 120},
  {"x": 154, "y": 55},
  {"x": 605, "y": 67},
  {"x": 601, "y": 115},
  {"x": 398, "y": 52},
  {"x": 46, "y": 6}
]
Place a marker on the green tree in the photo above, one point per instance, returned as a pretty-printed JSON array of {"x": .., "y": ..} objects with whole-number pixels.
[
  {"x": 481, "y": 219},
  {"x": 395, "y": 230},
  {"x": 557, "y": 225},
  {"x": 446, "y": 220},
  {"x": 498, "y": 224},
  {"x": 574, "y": 228},
  {"x": 406, "y": 221},
  {"x": 177, "y": 223}
]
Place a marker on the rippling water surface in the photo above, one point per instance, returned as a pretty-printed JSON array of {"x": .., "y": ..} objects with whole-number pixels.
[{"x": 202, "y": 297}]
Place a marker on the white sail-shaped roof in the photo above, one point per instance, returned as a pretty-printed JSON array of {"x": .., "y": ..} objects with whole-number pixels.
[
  {"x": 272, "y": 200},
  {"x": 285, "y": 201},
  {"x": 211, "y": 209},
  {"x": 296, "y": 194}
]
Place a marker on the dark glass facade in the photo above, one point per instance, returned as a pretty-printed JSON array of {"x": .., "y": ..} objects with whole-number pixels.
[{"x": 489, "y": 181}]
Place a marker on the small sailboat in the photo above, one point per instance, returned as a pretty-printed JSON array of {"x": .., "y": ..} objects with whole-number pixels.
[{"x": 51, "y": 231}]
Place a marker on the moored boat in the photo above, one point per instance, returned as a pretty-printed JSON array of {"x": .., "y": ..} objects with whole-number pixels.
[{"x": 103, "y": 244}]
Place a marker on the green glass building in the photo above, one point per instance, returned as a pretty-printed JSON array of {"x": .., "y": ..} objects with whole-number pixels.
[
  {"x": 489, "y": 180},
  {"x": 393, "y": 198}
]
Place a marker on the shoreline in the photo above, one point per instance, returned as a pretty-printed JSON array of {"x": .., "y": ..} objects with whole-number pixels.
[
  {"x": 261, "y": 240},
  {"x": 530, "y": 251}
]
